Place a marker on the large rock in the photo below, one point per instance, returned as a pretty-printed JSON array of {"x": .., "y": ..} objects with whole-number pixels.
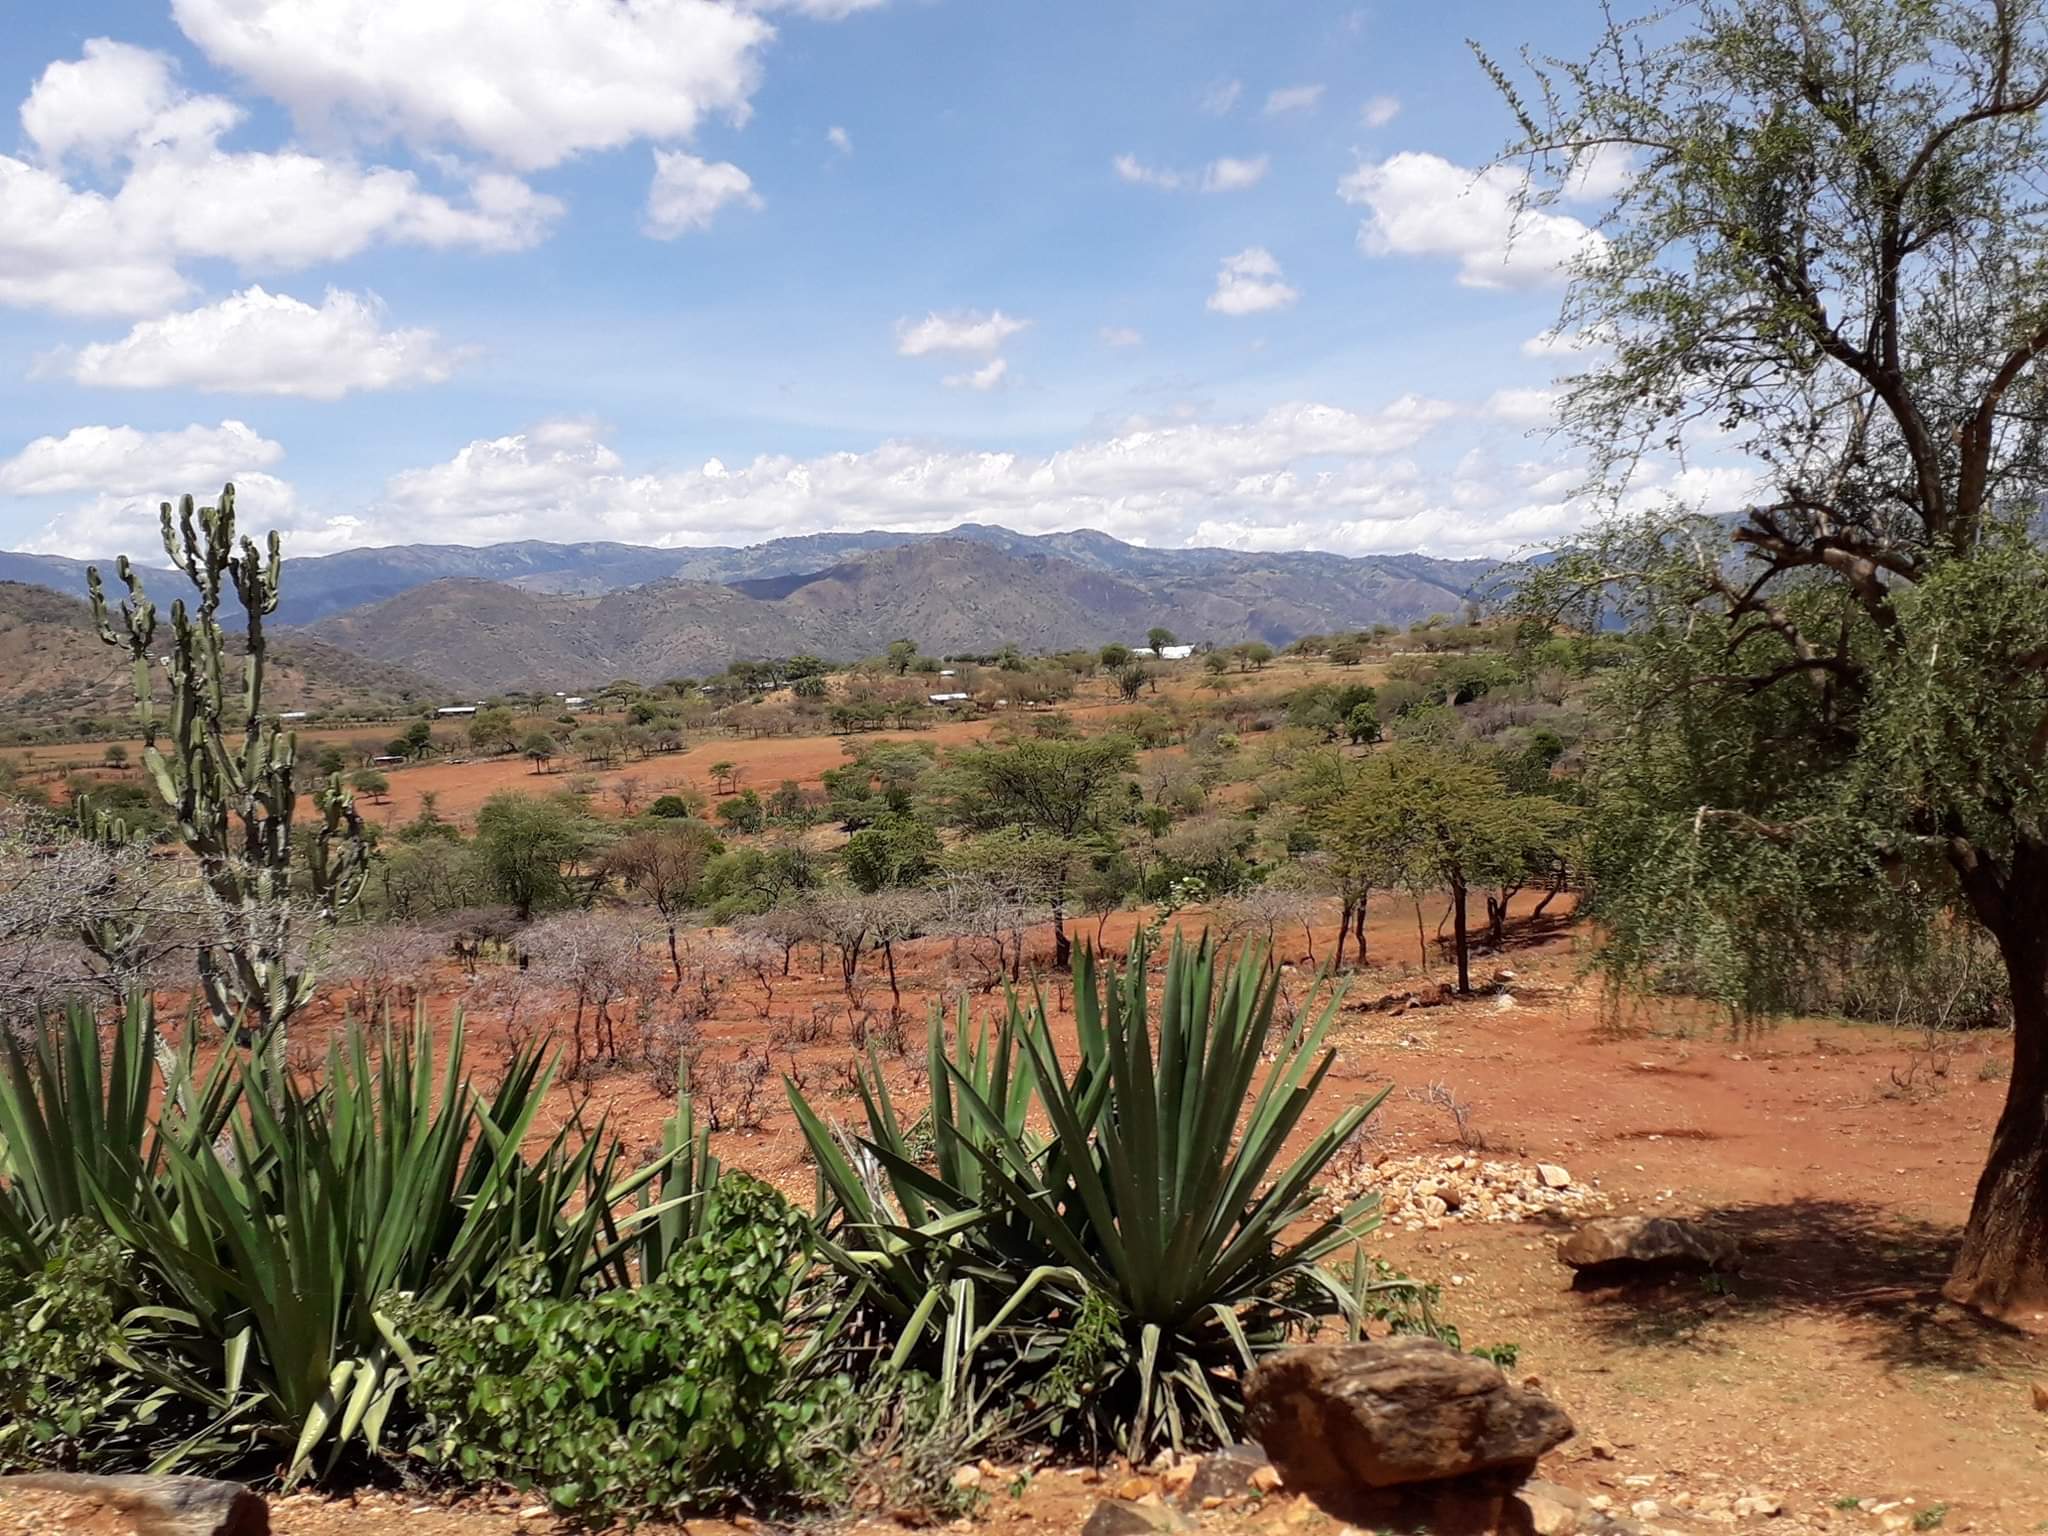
[
  {"x": 159, "y": 1506},
  {"x": 1615, "y": 1246},
  {"x": 1112, "y": 1517},
  {"x": 1341, "y": 1418}
]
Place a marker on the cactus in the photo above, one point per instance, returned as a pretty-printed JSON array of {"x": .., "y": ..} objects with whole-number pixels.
[{"x": 232, "y": 800}]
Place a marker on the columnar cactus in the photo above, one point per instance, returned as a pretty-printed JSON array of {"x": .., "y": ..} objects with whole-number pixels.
[{"x": 232, "y": 800}]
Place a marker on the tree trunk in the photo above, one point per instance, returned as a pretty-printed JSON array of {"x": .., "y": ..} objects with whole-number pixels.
[
  {"x": 675, "y": 958},
  {"x": 1062, "y": 946},
  {"x": 2003, "y": 1264},
  {"x": 895, "y": 991},
  {"x": 1463, "y": 938},
  {"x": 1358, "y": 924},
  {"x": 1343, "y": 929}
]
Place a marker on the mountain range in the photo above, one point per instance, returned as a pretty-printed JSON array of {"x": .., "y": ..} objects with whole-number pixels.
[{"x": 536, "y": 614}]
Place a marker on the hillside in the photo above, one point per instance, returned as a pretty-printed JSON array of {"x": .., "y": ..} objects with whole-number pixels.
[
  {"x": 55, "y": 667},
  {"x": 949, "y": 594}
]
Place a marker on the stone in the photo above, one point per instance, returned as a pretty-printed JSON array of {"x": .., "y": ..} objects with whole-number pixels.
[
  {"x": 1548, "y": 1509},
  {"x": 1554, "y": 1175},
  {"x": 1340, "y": 1418},
  {"x": 160, "y": 1506},
  {"x": 2040, "y": 1398},
  {"x": 1615, "y": 1246},
  {"x": 966, "y": 1478},
  {"x": 1131, "y": 1489},
  {"x": 1112, "y": 1517},
  {"x": 1228, "y": 1473},
  {"x": 1760, "y": 1502},
  {"x": 1266, "y": 1480}
]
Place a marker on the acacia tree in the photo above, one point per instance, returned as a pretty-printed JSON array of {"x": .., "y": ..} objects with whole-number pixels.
[
  {"x": 665, "y": 867},
  {"x": 1055, "y": 794},
  {"x": 1831, "y": 247}
]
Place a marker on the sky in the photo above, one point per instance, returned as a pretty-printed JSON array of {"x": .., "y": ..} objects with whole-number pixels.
[{"x": 684, "y": 272}]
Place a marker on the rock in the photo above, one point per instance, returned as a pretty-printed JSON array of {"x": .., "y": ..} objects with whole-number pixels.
[
  {"x": 2040, "y": 1398},
  {"x": 1341, "y": 1418},
  {"x": 1267, "y": 1480},
  {"x": 1554, "y": 1175},
  {"x": 1615, "y": 1246},
  {"x": 1225, "y": 1474},
  {"x": 161, "y": 1506},
  {"x": 1114, "y": 1518},
  {"x": 1550, "y": 1510},
  {"x": 1761, "y": 1502},
  {"x": 966, "y": 1478},
  {"x": 1131, "y": 1489}
]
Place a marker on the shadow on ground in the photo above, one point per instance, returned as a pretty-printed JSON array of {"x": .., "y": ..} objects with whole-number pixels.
[{"x": 1835, "y": 1258}]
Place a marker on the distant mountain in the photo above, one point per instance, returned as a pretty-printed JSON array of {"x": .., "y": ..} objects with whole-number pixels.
[
  {"x": 54, "y": 666},
  {"x": 971, "y": 592},
  {"x": 1294, "y": 593}
]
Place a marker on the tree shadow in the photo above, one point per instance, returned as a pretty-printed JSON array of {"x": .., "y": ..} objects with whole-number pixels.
[{"x": 1849, "y": 1260}]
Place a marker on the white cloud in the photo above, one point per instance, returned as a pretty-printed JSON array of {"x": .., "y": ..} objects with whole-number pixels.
[
  {"x": 687, "y": 193},
  {"x": 255, "y": 342},
  {"x": 1524, "y": 407},
  {"x": 1221, "y": 97},
  {"x": 527, "y": 85},
  {"x": 1230, "y": 175},
  {"x": 967, "y": 330},
  {"x": 1121, "y": 336},
  {"x": 1293, "y": 98},
  {"x": 840, "y": 140},
  {"x": 1250, "y": 283},
  {"x": 122, "y": 461},
  {"x": 820, "y": 10},
  {"x": 1423, "y": 205},
  {"x": 1316, "y": 467},
  {"x": 1135, "y": 171},
  {"x": 1227, "y": 174},
  {"x": 180, "y": 196},
  {"x": 1582, "y": 345},
  {"x": 988, "y": 376},
  {"x": 1380, "y": 111}
]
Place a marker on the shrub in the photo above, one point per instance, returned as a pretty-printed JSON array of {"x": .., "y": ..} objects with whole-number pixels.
[
  {"x": 1118, "y": 1276},
  {"x": 678, "y": 1394}
]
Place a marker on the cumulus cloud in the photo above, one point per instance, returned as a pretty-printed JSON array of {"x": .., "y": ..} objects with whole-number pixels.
[
  {"x": 1121, "y": 336},
  {"x": 1423, "y": 205},
  {"x": 1523, "y": 407},
  {"x": 989, "y": 375},
  {"x": 965, "y": 330},
  {"x": 1293, "y": 98},
  {"x": 1379, "y": 111},
  {"x": 122, "y": 461},
  {"x": 527, "y": 85},
  {"x": 687, "y": 193},
  {"x": 256, "y": 342},
  {"x": 182, "y": 197},
  {"x": 1250, "y": 283},
  {"x": 1135, "y": 171},
  {"x": 1230, "y": 175},
  {"x": 840, "y": 140},
  {"x": 1150, "y": 479}
]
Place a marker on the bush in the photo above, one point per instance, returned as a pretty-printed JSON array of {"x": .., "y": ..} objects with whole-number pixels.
[
  {"x": 679, "y": 1394},
  {"x": 1118, "y": 1276}
]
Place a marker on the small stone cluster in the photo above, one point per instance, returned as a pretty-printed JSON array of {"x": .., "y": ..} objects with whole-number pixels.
[{"x": 1420, "y": 1194}]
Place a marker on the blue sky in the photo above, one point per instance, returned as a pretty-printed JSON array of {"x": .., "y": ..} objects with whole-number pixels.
[{"x": 711, "y": 271}]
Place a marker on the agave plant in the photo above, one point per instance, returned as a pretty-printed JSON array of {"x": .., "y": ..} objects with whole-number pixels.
[
  {"x": 268, "y": 1228},
  {"x": 1114, "y": 1246}
]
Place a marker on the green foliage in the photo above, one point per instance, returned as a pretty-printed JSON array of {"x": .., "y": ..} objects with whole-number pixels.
[
  {"x": 264, "y": 1230},
  {"x": 678, "y": 1394},
  {"x": 1117, "y": 1274},
  {"x": 528, "y": 846},
  {"x": 743, "y": 812},
  {"x": 894, "y": 850},
  {"x": 674, "y": 807}
]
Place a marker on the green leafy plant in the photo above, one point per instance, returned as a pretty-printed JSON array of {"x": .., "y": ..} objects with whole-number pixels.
[
  {"x": 1115, "y": 1276},
  {"x": 1930, "y": 1518},
  {"x": 680, "y": 1393},
  {"x": 266, "y": 1229}
]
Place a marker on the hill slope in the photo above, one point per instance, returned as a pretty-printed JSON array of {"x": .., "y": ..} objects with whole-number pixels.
[
  {"x": 54, "y": 666},
  {"x": 949, "y": 594}
]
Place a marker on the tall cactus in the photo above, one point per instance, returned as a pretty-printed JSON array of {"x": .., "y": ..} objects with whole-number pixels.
[{"x": 232, "y": 801}]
